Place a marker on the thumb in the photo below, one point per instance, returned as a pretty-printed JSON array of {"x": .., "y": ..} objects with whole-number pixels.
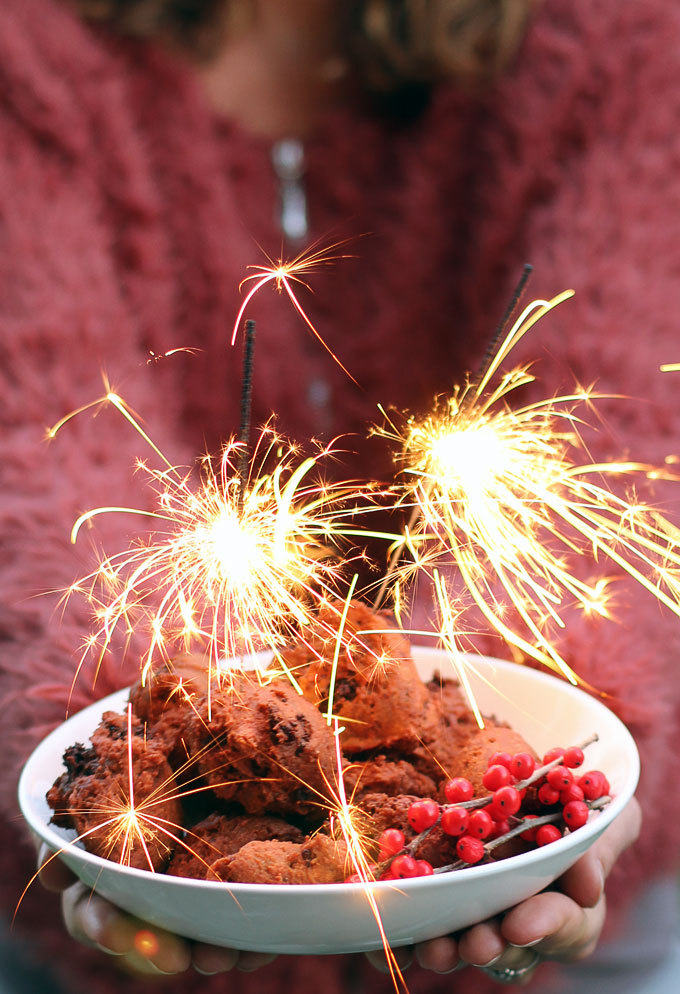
[{"x": 53, "y": 873}]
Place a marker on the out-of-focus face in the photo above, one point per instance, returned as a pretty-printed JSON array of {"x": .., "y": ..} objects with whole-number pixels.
[{"x": 279, "y": 69}]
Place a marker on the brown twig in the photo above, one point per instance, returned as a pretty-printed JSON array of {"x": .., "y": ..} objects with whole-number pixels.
[
  {"x": 523, "y": 825},
  {"x": 481, "y": 802}
]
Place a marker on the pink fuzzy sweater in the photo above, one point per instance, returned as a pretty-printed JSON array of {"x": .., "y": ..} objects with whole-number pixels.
[{"x": 128, "y": 216}]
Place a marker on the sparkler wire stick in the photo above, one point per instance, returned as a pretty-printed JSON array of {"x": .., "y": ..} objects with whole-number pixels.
[
  {"x": 246, "y": 405},
  {"x": 503, "y": 324}
]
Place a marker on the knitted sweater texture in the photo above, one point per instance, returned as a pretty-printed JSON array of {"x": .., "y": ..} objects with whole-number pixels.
[{"x": 129, "y": 214}]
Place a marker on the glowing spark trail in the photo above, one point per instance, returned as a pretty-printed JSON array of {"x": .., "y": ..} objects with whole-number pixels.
[
  {"x": 283, "y": 275},
  {"x": 498, "y": 500},
  {"x": 157, "y": 357},
  {"x": 346, "y": 815}
]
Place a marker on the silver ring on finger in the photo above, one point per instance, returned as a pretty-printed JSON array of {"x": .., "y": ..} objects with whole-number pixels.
[{"x": 512, "y": 974}]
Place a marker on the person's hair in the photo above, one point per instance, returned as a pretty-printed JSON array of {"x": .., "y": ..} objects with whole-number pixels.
[{"x": 391, "y": 43}]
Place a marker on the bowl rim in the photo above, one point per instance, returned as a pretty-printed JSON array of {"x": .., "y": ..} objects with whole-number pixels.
[{"x": 56, "y": 839}]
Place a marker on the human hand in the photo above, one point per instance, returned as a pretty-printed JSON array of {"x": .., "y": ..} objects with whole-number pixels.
[
  {"x": 137, "y": 946},
  {"x": 561, "y": 924}
]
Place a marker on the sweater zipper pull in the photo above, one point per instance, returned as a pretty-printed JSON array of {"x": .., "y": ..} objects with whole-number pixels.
[{"x": 288, "y": 160}]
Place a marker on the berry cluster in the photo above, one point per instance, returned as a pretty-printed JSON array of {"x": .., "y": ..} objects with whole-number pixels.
[{"x": 537, "y": 803}]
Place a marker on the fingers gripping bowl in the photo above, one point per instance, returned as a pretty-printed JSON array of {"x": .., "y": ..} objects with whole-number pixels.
[{"x": 337, "y": 917}]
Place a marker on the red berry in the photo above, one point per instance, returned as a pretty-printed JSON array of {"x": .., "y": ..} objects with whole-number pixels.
[
  {"x": 593, "y": 784},
  {"x": 573, "y": 757},
  {"x": 470, "y": 850},
  {"x": 390, "y": 843},
  {"x": 423, "y": 814},
  {"x": 497, "y": 776},
  {"x": 575, "y": 814},
  {"x": 523, "y": 765},
  {"x": 546, "y": 834},
  {"x": 454, "y": 820},
  {"x": 530, "y": 834},
  {"x": 457, "y": 790},
  {"x": 404, "y": 866},
  {"x": 356, "y": 878},
  {"x": 571, "y": 793},
  {"x": 500, "y": 759},
  {"x": 507, "y": 800},
  {"x": 480, "y": 824},
  {"x": 555, "y": 753},
  {"x": 424, "y": 868},
  {"x": 547, "y": 794},
  {"x": 560, "y": 777},
  {"x": 500, "y": 828}
]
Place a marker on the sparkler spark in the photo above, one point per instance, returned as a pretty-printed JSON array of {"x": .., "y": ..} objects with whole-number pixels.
[
  {"x": 283, "y": 274},
  {"x": 132, "y": 830},
  {"x": 130, "y": 826},
  {"x": 498, "y": 499},
  {"x": 157, "y": 357}
]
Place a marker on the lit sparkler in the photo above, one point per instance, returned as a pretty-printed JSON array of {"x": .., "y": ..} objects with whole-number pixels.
[
  {"x": 498, "y": 499},
  {"x": 237, "y": 564}
]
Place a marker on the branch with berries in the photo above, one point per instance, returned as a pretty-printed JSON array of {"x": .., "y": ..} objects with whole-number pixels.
[{"x": 483, "y": 824}]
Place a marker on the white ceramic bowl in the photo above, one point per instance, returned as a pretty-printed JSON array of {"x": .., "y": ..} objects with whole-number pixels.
[{"x": 337, "y": 918}]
